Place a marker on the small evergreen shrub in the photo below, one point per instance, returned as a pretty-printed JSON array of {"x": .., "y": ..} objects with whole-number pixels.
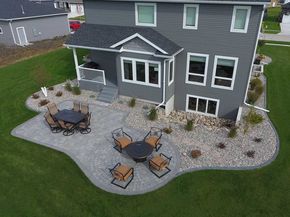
[
  {"x": 76, "y": 90},
  {"x": 252, "y": 97},
  {"x": 256, "y": 82},
  {"x": 58, "y": 94},
  {"x": 233, "y": 132},
  {"x": 221, "y": 145},
  {"x": 259, "y": 90},
  {"x": 132, "y": 102},
  {"x": 35, "y": 96},
  {"x": 253, "y": 118},
  {"x": 167, "y": 130},
  {"x": 68, "y": 86},
  {"x": 250, "y": 154},
  {"x": 257, "y": 140},
  {"x": 152, "y": 116},
  {"x": 43, "y": 102},
  {"x": 189, "y": 125},
  {"x": 261, "y": 43}
]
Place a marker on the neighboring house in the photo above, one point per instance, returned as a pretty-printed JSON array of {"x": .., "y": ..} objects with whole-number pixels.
[
  {"x": 23, "y": 22},
  {"x": 186, "y": 55},
  {"x": 285, "y": 22},
  {"x": 75, "y": 8}
]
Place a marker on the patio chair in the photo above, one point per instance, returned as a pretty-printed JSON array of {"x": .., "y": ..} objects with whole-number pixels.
[
  {"x": 158, "y": 164},
  {"x": 85, "y": 108},
  {"x": 153, "y": 138},
  {"x": 76, "y": 106},
  {"x": 122, "y": 173},
  {"x": 54, "y": 126},
  {"x": 68, "y": 128},
  {"x": 52, "y": 108},
  {"x": 84, "y": 125},
  {"x": 121, "y": 139}
]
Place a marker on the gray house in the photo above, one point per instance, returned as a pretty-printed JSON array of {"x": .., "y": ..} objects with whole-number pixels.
[
  {"x": 191, "y": 55},
  {"x": 23, "y": 22}
]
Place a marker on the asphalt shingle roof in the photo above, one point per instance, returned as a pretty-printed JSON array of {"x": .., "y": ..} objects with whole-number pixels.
[
  {"x": 14, "y": 9},
  {"x": 104, "y": 36}
]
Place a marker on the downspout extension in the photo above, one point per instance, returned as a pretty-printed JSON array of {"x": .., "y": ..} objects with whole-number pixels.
[{"x": 12, "y": 32}]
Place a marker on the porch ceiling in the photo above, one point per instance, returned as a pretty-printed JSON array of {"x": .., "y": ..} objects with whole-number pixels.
[{"x": 106, "y": 36}]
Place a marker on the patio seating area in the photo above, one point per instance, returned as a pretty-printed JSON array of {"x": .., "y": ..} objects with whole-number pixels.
[{"x": 96, "y": 153}]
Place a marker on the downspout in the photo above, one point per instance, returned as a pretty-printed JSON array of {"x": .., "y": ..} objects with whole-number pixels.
[
  {"x": 13, "y": 36},
  {"x": 164, "y": 84},
  {"x": 245, "y": 98}
]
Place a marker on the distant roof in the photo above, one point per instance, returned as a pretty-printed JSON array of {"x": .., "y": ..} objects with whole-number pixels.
[
  {"x": 112, "y": 38},
  {"x": 71, "y": 1},
  {"x": 17, "y": 9},
  {"x": 201, "y": 1}
]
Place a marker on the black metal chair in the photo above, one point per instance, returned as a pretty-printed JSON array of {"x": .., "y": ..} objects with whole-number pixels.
[
  {"x": 68, "y": 128},
  {"x": 52, "y": 108},
  {"x": 154, "y": 137},
  {"x": 158, "y": 164},
  {"x": 54, "y": 126},
  {"x": 122, "y": 173},
  {"x": 121, "y": 139},
  {"x": 84, "y": 125},
  {"x": 85, "y": 108},
  {"x": 76, "y": 106}
]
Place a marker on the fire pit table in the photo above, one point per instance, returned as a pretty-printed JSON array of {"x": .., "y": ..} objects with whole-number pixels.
[{"x": 139, "y": 151}]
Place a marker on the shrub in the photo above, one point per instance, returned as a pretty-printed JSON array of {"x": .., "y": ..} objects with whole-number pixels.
[
  {"x": 50, "y": 88},
  {"x": 233, "y": 132},
  {"x": 257, "y": 140},
  {"x": 58, "y": 94},
  {"x": 76, "y": 90},
  {"x": 152, "y": 114},
  {"x": 195, "y": 153},
  {"x": 252, "y": 97},
  {"x": 259, "y": 90},
  {"x": 35, "y": 96},
  {"x": 43, "y": 102},
  {"x": 253, "y": 118},
  {"x": 167, "y": 130},
  {"x": 189, "y": 125},
  {"x": 256, "y": 82},
  {"x": 261, "y": 43},
  {"x": 250, "y": 154},
  {"x": 68, "y": 86},
  {"x": 221, "y": 145},
  {"x": 132, "y": 102}
]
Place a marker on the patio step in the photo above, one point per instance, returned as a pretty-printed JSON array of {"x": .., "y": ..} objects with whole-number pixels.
[{"x": 108, "y": 94}]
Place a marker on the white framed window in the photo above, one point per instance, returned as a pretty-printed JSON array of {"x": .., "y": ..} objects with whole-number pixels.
[
  {"x": 145, "y": 14},
  {"x": 240, "y": 19},
  {"x": 1, "y": 31},
  {"x": 190, "y": 16},
  {"x": 196, "y": 68},
  {"x": 171, "y": 67},
  {"x": 202, "y": 105},
  {"x": 224, "y": 72},
  {"x": 138, "y": 71}
]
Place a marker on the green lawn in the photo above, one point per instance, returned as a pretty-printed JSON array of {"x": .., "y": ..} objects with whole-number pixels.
[
  {"x": 80, "y": 18},
  {"x": 37, "y": 181},
  {"x": 271, "y": 24}
]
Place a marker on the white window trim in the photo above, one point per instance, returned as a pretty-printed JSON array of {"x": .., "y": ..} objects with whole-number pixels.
[
  {"x": 1, "y": 31},
  {"x": 173, "y": 71},
  {"x": 184, "y": 16},
  {"x": 190, "y": 73},
  {"x": 134, "y": 81},
  {"x": 248, "y": 8},
  {"x": 155, "y": 14},
  {"x": 236, "y": 59},
  {"x": 201, "y": 97}
]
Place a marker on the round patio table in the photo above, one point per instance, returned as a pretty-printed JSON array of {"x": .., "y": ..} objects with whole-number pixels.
[{"x": 139, "y": 150}]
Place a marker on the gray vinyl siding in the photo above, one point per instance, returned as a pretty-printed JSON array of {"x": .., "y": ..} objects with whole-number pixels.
[
  {"x": 46, "y": 27},
  {"x": 6, "y": 38},
  {"x": 213, "y": 37}
]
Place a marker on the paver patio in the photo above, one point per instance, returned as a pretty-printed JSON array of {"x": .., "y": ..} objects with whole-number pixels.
[{"x": 94, "y": 152}]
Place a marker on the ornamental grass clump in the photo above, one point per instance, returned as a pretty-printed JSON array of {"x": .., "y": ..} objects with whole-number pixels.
[
  {"x": 43, "y": 102},
  {"x": 76, "y": 90},
  {"x": 152, "y": 116},
  {"x": 58, "y": 94},
  {"x": 255, "y": 91},
  {"x": 132, "y": 102},
  {"x": 253, "y": 118},
  {"x": 167, "y": 130},
  {"x": 189, "y": 125},
  {"x": 35, "y": 96},
  {"x": 51, "y": 88},
  {"x": 233, "y": 132},
  {"x": 68, "y": 86}
]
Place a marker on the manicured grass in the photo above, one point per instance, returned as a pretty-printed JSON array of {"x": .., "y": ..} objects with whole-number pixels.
[
  {"x": 37, "y": 181},
  {"x": 271, "y": 24},
  {"x": 80, "y": 18}
]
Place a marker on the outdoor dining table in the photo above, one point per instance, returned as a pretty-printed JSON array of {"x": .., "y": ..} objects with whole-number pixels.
[
  {"x": 139, "y": 150},
  {"x": 70, "y": 116}
]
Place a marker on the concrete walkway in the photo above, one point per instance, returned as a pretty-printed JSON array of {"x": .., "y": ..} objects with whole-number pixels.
[
  {"x": 94, "y": 152},
  {"x": 275, "y": 37}
]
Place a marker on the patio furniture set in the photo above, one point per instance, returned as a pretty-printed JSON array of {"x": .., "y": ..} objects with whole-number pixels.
[
  {"x": 69, "y": 121},
  {"x": 139, "y": 151}
]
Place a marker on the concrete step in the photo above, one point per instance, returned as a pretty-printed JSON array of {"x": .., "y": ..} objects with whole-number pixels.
[{"x": 108, "y": 94}]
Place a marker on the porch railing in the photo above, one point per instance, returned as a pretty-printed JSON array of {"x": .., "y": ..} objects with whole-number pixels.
[{"x": 92, "y": 75}]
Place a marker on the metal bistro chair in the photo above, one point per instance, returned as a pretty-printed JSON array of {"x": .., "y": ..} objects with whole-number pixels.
[
  {"x": 68, "y": 128},
  {"x": 54, "y": 126},
  {"x": 154, "y": 137},
  {"x": 84, "y": 125},
  {"x": 85, "y": 108},
  {"x": 121, "y": 139},
  {"x": 122, "y": 173},
  {"x": 52, "y": 108},
  {"x": 158, "y": 164},
  {"x": 76, "y": 106}
]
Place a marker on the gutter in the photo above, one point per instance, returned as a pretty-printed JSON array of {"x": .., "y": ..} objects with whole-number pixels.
[
  {"x": 32, "y": 17},
  {"x": 253, "y": 59}
]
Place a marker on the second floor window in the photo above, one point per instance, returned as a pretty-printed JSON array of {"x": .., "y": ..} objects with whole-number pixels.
[
  {"x": 240, "y": 19},
  {"x": 190, "y": 16},
  {"x": 196, "y": 68},
  {"x": 145, "y": 14}
]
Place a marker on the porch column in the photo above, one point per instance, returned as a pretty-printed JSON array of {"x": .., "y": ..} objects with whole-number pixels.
[{"x": 76, "y": 64}]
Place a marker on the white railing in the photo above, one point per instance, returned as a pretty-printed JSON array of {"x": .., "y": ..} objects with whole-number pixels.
[{"x": 92, "y": 75}]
